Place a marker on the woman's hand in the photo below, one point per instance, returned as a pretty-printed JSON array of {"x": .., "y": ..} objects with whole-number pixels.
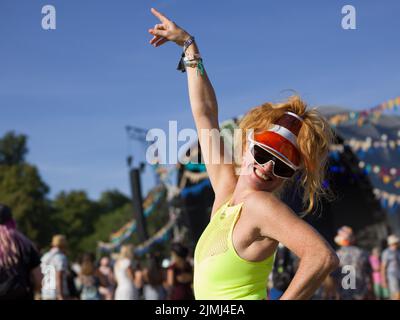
[{"x": 166, "y": 31}]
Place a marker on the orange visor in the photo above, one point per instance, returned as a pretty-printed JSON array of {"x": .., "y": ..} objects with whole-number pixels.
[{"x": 279, "y": 145}]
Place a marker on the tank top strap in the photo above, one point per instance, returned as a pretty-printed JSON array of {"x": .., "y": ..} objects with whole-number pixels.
[
  {"x": 221, "y": 210},
  {"x": 235, "y": 211}
]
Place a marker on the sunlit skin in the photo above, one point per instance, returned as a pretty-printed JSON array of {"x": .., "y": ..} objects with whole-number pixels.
[
  {"x": 253, "y": 181},
  {"x": 264, "y": 220}
]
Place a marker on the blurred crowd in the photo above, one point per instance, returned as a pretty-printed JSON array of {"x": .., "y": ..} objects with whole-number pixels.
[
  {"x": 120, "y": 277},
  {"x": 27, "y": 274},
  {"x": 362, "y": 275}
]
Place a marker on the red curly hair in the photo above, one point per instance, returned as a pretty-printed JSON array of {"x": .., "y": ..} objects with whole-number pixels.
[{"x": 314, "y": 139}]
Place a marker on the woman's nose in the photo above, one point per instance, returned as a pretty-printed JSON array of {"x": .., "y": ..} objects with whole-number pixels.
[{"x": 269, "y": 166}]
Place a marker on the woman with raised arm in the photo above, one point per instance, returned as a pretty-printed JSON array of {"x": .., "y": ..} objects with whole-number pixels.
[{"x": 235, "y": 253}]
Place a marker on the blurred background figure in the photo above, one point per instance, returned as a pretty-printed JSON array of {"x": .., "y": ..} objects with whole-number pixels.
[
  {"x": 329, "y": 289},
  {"x": 128, "y": 279},
  {"x": 20, "y": 276},
  {"x": 391, "y": 267},
  {"x": 153, "y": 280},
  {"x": 55, "y": 270},
  {"x": 380, "y": 293},
  {"x": 107, "y": 280},
  {"x": 73, "y": 279},
  {"x": 179, "y": 274},
  {"x": 282, "y": 272},
  {"x": 352, "y": 256},
  {"x": 89, "y": 282}
]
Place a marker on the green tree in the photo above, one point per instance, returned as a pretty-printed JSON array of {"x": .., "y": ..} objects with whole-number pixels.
[
  {"x": 22, "y": 188},
  {"x": 107, "y": 224},
  {"x": 75, "y": 214},
  {"x": 100, "y": 218},
  {"x": 111, "y": 200},
  {"x": 83, "y": 221},
  {"x": 13, "y": 149}
]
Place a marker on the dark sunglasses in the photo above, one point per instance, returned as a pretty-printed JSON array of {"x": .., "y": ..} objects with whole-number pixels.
[{"x": 262, "y": 156}]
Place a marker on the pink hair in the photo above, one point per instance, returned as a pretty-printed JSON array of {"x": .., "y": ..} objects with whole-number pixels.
[{"x": 12, "y": 245}]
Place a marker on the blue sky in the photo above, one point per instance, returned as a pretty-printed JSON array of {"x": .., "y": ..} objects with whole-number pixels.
[{"x": 73, "y": 90}]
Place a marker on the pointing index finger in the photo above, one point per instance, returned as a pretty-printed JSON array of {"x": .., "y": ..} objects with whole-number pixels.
[{"x": 159, "y": 15}]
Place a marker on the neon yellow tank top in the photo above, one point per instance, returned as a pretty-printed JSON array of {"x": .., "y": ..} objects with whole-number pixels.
[{"x": 219, "y": 272}]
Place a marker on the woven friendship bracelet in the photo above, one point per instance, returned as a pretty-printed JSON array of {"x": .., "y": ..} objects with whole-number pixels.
[
  {"x": 190, "y": 60},
  {"x": 188, "y": 43},
  {"x": 192, "y": 63},
  {"x": 195, "y": 56}
]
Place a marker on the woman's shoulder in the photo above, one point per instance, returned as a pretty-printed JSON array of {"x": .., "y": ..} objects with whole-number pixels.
[
  {"x": 263, "y": 198},
  {"x": 262, "y": 204},
  {"x": 219, "y": 201}
]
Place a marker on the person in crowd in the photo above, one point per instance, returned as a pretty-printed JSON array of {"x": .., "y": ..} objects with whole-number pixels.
[
  {"x": 354, "y": 265},
  {"x": 153, "y": 279},
  {"x": 20, "y": 276},
  {"x": 390, "y": 270},
  {"x": 138, "y": 273},
  {"x": 107, "y": 280},
  {"x": 380, "y": 293},
  {"x": 282, "y": 272},
  {"x": 89, "y": 282},
  {"x": 75, "y": 270},
  {"x": 54, "y": 265},
  {"x": 72, "y": 279},
  {"x": 329, "y": 289},
  {"x": 128, "y": 279},
  {"x": 179, "y": 274},
  {"x": 280, "y": 142}
]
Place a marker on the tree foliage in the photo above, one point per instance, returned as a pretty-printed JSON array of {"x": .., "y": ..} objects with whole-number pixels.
[
  {"x": 13, "y": 149},
  {"x": 22, "y": 188},
  {"x": 82, "y": 220}
]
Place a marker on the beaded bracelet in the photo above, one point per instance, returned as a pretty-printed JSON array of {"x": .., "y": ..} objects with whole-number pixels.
[{"x": 188, "y": 43}]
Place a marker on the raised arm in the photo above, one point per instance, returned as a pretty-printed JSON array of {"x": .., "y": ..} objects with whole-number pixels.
[{"x": 204, "y": 107}]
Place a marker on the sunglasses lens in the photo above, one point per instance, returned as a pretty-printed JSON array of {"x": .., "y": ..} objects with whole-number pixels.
[
  {"x": 283, "y": 170},
  {"x": 262, "y": 156}
]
